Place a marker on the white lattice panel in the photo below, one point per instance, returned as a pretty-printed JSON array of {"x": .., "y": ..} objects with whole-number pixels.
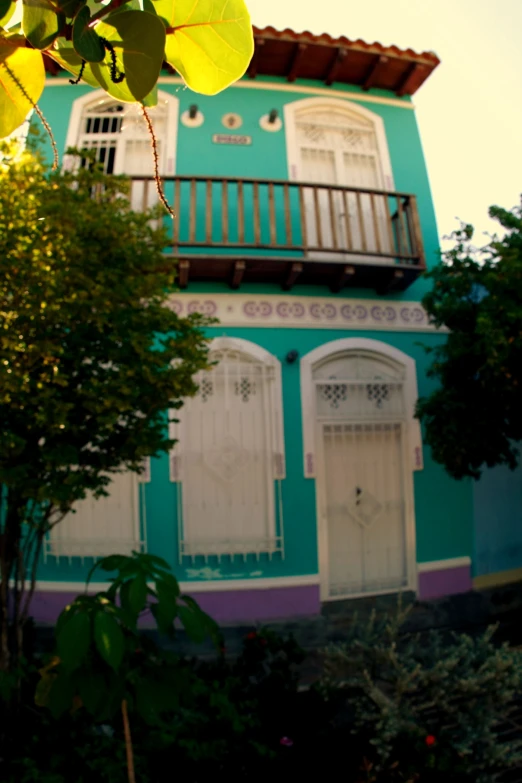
[{"x": 360, "y": 401}]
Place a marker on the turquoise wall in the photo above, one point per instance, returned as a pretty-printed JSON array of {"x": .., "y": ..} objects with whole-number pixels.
[
  {"x": 498, "y": 521},
  {"x": 266, "y": 157},
  {"x": 443, "y": 507}
]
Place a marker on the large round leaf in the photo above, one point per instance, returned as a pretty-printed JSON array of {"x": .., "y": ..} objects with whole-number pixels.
[
  {"x": 41, "y": 25},
  {"x": 209, "y": 42},
  {"x": 138, "y": 39},
  {"x": 65, "y": 56},
  {"x": 22, "y": 79},
  {"x": 86, "y": 41}
]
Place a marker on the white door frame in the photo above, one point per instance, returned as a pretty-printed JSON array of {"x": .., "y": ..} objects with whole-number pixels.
[
  {"x": 322, "y": 523},
  {"x": 313, "y": 452}
]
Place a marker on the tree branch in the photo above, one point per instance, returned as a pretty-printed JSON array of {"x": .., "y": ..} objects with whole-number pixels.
[{"x": 112, "y": 6}]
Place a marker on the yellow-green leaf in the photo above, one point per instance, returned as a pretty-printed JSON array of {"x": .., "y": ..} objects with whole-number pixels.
[
  {"x": 209, "y": 42},
  {"x": 138, "y": 39},
  {"x": 41, "y": 25},
  {"x": 22, "y": 79},
  {"x": 65, "y": 56},
  {"x": 7, "y": 9}
]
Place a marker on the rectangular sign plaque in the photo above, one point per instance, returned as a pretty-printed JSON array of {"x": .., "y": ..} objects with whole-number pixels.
[{"x": 228, "y": 138}]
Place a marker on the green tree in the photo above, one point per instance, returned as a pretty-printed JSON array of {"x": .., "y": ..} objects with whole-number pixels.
[
  {"x": 91, "y": 358},
  {"x": 474, "y": 417},
  {"x": 119, "y": 46}
]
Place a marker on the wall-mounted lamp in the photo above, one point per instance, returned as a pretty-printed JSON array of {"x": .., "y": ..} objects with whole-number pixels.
[
  {"x": 291, "y": 357},
  {"x": 192, "y": 117},
  {"x": 272, "y": 121}
]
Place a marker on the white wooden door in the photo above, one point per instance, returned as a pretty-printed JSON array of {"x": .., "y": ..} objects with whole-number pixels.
[
  {"x": 363, "y": 509},
  {"x": 227, "y": 464},
  {"x": 103, "y": 526},
  {"x": 334, "y": 149}
]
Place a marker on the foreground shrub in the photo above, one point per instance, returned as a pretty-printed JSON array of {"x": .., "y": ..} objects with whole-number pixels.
[{"x": 426, "y": 707}]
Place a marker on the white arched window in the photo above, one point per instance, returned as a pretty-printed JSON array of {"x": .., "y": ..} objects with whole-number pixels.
[
  {"x": 361, "y": 445},
  {"x": 229, "y": 460},
  {"x": 118, "y": 133},
  {"x": 336, "y": 142}
]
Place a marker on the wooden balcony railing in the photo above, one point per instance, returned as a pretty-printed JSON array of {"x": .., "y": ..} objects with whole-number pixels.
[{"x": 267, "y": 230}]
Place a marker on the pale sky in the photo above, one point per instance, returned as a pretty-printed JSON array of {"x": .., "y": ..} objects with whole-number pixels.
[{"x": 469, "y": 110}]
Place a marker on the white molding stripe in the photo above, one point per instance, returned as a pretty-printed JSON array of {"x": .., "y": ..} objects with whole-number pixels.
[
  {"x": 305, "y": 312},
  {"x": 58, "y": 81},
  {"x": 254, "y": 583},
  {"x": 214, "y": 585},
  {"x": 444, "y": 565}
]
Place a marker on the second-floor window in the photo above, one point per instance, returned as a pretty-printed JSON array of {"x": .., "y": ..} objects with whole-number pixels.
[
  {"x": 118, "y": 134},
  {"x": 333, "y": 142}
]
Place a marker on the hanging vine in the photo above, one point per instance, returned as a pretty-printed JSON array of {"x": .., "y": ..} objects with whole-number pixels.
[{"x": 155, "y": 157}]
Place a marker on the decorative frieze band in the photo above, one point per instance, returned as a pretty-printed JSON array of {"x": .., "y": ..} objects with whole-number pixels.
[{"x": 306, "y": 312}]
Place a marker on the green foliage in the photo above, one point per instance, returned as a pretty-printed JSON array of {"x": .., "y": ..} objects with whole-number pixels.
[
  {"x": 202, "y": 718},
  {"x": 426, "y": 707},
  {"x": 103, "y": 657},
  {"x": 120, "y": 46},
  {"x": 474, "y": 417},
  {"x": 91, "y": 358}
]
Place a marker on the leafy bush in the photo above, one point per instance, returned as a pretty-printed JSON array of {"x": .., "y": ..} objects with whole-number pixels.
[
  {"x": 234, "y": 717},
  {"x": 426, "y": 706},
  {"x": 230, "y": 717}
]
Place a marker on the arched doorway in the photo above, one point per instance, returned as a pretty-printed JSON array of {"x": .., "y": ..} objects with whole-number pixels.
[{"x": 359, "y": 409}]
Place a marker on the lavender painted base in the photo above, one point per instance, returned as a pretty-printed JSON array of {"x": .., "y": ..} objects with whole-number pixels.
[
  {"x": 447, "y": 581},
  {"x": 225, "y": 606}
]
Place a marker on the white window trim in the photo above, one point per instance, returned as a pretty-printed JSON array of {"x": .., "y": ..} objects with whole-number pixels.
[
  {"x": 292, "y": 147},
  {"x": 412, "y": 448},
  {"x": 171, "y": 131},
  {"x": 278, "y": 463}
]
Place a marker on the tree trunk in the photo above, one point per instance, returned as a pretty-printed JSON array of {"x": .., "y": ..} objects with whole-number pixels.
[{"x": 128, "y": 742}]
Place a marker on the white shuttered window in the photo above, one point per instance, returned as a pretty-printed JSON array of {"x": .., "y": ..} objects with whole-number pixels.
[
  {"x": 113, "y": 524},
  {"x": 229, "y": 461}
]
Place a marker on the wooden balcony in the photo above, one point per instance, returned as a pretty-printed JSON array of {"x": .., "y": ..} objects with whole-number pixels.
[{"x": 273, "y": 231}]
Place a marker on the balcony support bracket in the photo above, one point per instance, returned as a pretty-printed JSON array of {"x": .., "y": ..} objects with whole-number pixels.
[
  {"x": 184, "y": 267},
  {"x": 392, "y": 282},
  {"x": 293, "y": 273},
  {"x": 346, "y": 275},
  {"x": 237, "y": 274}
]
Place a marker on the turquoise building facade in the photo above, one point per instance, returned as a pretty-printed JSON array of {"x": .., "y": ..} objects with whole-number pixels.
[{"x": 300, "y": 475}]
